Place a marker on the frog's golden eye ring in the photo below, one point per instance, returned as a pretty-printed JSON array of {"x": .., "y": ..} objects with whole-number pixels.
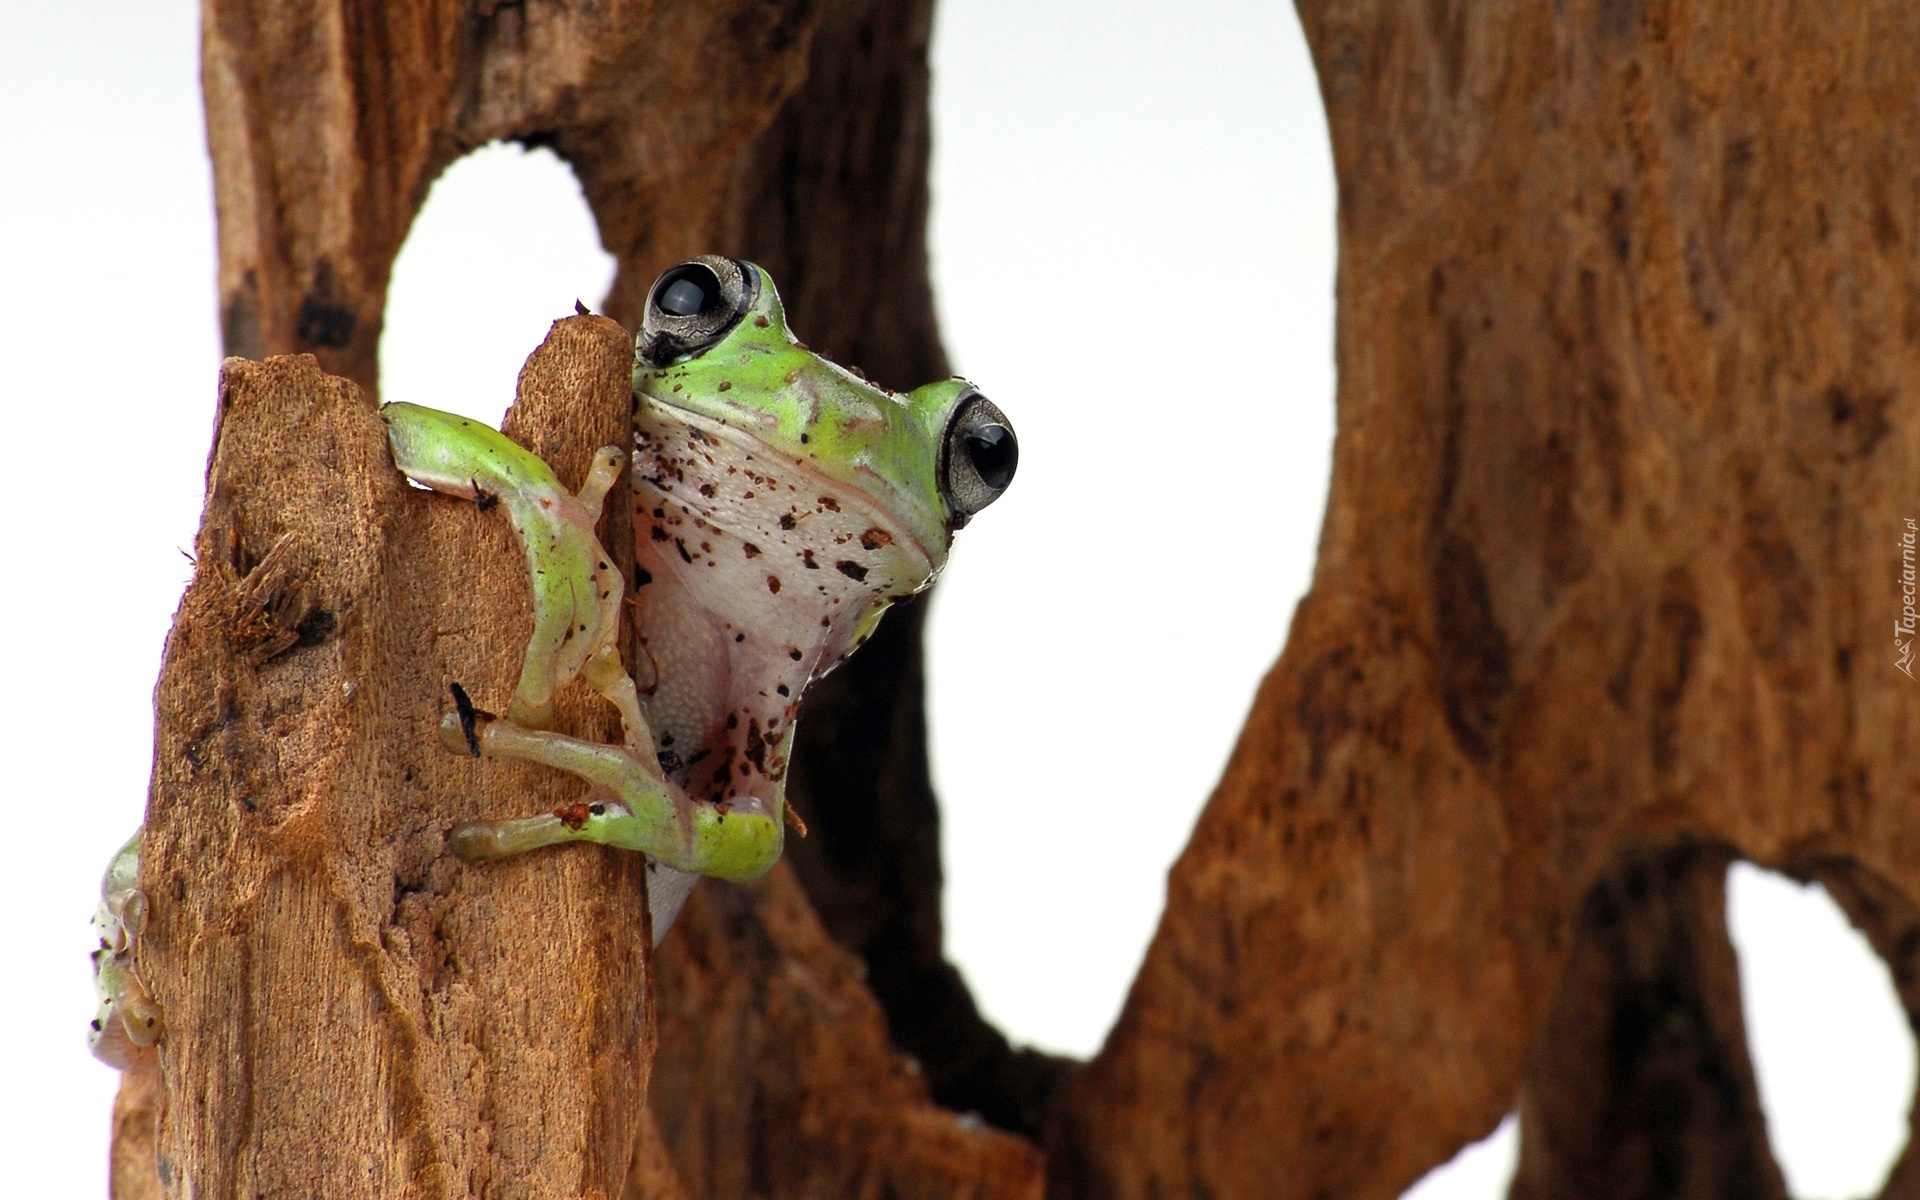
[
  {"x": 693, "y": 305},
  {"x": 978, "y": 455}
]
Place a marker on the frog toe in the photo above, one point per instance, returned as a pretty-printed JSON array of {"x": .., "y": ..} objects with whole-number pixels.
[
  {"x": 128, "y": 1021},
  {"x": 484, "y": 841}
]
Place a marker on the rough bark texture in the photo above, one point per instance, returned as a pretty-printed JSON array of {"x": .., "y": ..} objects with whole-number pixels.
[
  {"x": 775, "y": 1077},
  {"x": 793, "y": 132},
  {"x": 135, "y": 1111},
  {"x": 350, "y": 1012},
  {"x": 1627, "y": 355},
  {"x": 328, "y": 123},
  {"x": 1628, "y": 364},
  {"x": 1638, "y": 1083}
]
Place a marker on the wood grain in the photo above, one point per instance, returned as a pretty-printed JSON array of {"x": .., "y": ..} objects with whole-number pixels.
[
  {"x": 1629, "y": 351},
  {"x": 1605, "y": 599}
]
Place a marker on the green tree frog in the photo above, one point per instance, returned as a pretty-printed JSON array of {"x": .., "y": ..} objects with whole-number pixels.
[{"x": 781, "y": 503}]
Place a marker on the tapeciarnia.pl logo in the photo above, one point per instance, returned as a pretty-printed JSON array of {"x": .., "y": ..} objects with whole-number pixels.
[{"x": 1903, "y": 629}]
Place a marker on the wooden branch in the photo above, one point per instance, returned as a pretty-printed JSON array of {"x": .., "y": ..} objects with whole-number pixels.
[
  {"x": 350, "y": 1011},
  {"x": 1625, "y": 421},
  {"x": 1611, "y": 569},
  {"x": 795, "y": 134},
  {"x": 329, "y": 120},
  {"x": 775, "y": 1076},
  {"x": 1638, "y": 1082}
]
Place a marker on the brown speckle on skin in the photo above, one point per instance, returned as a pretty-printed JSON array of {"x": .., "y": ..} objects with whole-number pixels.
[
  {"x": 573, "y": 816},
  {"x": 682, "y": 548},
  {"x": 787, "y": 520},
  {"x": 752, "y": 550},
  {"x": 725, "y": 386},
  {"x": 794, "y": 654},
  {"x": 708, "y": 490},
  {"x": 852, "y": 570},
  {"x": 659, "y": 535},
  {"x": 873, "y": 539},
  {"x": 783, "y": 689},
  {"x": 830, "y": 504},
  {"x": 806, "y": 560},
  {"x": 773, "y": 584}
]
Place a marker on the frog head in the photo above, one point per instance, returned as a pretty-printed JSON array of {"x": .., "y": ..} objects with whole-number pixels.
[{"x": 715, "y": 344}]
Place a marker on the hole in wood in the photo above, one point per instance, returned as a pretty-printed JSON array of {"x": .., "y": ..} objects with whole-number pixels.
[
  {"x": 1832, "y": 1051},
  {"x": 1179, "y": 607},
  {"x": 1480, "y": 1171},
  {"x": 503, "y": 246}
]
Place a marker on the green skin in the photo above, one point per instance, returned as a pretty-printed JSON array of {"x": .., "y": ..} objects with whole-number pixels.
[
  {"x": 799, "y": 408},
  {"x": 758, "y": 400}
]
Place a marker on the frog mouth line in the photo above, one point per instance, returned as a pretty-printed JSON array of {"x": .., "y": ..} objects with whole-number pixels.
[{"x": 751, "y": 445}]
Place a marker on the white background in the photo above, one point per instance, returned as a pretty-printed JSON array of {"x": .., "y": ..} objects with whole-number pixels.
[{"x": 1101, "y": 171}]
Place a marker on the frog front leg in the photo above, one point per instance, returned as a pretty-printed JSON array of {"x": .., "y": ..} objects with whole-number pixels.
[
  {"x": 577, "y": 597},
  {"x": 576, "y": 592}
]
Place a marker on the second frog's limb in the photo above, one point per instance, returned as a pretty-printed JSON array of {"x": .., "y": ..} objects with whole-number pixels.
[{"x": 128, "y": 1021}]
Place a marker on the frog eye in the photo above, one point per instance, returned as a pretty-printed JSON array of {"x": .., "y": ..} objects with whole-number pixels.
[
  {"x": 978, "y": 455},
  {"x": 693, "y": 306}
]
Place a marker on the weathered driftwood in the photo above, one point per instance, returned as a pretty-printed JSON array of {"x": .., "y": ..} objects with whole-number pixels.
[
  {"x": 1606, "y": 597},
  {"x": 793, "y": 133},
  {"x": 328, "y": 124},
  {"x": 350, "y": 1011},
  {"x": 1629, "y": 354}
]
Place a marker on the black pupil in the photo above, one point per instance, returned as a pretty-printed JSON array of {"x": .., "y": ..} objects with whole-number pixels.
[
  {"x": 994, "y": 454},
  {"x": 690, "y": 294}
]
